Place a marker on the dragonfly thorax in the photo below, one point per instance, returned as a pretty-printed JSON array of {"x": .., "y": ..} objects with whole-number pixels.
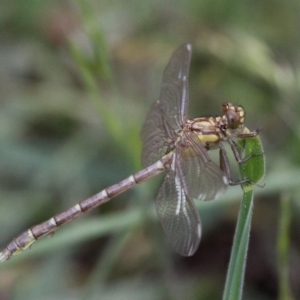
[
  {"x": 207, "y": 130},
  {"x": 211, "y": 130}
]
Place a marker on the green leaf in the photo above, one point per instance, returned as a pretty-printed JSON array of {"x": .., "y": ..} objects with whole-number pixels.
[{"x": 253, "y": 168}]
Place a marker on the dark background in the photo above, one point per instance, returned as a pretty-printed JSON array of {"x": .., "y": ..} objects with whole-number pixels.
[{"x": 76, "y": 81}]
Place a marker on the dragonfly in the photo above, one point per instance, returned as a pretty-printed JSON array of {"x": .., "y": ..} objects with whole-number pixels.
[{"x": 174, "y": 144}]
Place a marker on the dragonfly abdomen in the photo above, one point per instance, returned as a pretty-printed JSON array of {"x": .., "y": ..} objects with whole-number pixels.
[{"x": 27, "y": 238}]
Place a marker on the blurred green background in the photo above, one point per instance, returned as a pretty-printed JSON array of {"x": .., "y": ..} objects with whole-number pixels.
[{"x": 76, "y": 81}]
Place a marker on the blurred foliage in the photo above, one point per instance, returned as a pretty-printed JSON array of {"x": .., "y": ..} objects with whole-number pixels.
[{"x": 77, "y": 79}]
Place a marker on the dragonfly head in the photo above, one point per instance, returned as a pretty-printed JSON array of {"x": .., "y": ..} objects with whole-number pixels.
[{"x": 234, "y": 115}]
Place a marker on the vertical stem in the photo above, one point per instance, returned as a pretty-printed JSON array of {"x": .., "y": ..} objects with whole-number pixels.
[
  {"x": 283, "y": 243},
  {"x": 236, "y": 271},
  {"x": 253, "y": 169}
]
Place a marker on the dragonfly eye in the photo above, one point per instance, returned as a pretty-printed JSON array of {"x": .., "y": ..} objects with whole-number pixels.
[{"x": 233, "y": 119}]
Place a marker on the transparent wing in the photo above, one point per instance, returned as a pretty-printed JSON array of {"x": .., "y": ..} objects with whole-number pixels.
[
  {"x": 170, "y": 111},
  {"x": 174, "y": 91},
  {"x": 178, "y": 215},
  {"x": 155, "y": 136},
  {"x": 202, "y": 178}
]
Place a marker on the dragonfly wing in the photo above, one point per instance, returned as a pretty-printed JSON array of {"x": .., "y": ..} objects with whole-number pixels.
[
  {"x": 204, "y": 180},
  {"x": 178, "y": 215},
  {"x": 154, "y": 135},
  {"x": 170, "y": 111},
  {"x": 174, "y": 91}
]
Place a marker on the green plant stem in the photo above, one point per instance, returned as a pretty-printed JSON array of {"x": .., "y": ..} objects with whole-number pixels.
[
  {"x": 252, "y": 169},
  {"x": 236, "y": 271}
]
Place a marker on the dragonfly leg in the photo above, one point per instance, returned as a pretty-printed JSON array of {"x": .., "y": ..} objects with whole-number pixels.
[
  {"x": 225, "y": 166},
  {"x": 249, "y": 134},
  {"x": 236, "y": 153}
]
